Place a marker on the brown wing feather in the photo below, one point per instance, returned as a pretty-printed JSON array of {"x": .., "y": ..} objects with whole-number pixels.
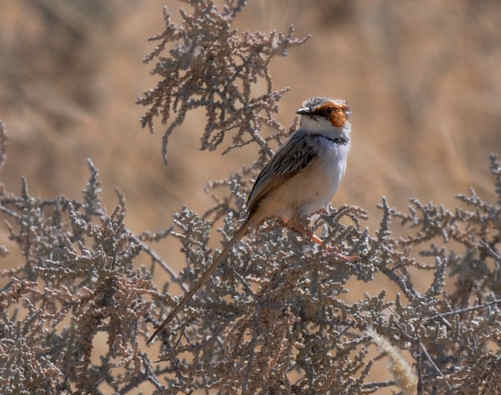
[{"x": 292, "y": 157}]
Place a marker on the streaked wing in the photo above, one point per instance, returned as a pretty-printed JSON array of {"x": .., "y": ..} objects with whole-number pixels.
[{"x": 294, "y": 156}]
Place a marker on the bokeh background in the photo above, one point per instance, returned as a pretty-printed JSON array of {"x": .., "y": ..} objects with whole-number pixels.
[{"x": 423, "y": 79}]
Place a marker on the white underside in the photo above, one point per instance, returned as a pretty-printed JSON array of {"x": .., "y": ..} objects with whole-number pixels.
[{"x": 311, "y": 189}]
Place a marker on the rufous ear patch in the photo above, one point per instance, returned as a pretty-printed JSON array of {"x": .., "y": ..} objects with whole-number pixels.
[{"x": 336, "y": 113}]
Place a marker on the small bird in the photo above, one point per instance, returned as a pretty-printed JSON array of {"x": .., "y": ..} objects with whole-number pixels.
[{"x": 300, "y": 179}]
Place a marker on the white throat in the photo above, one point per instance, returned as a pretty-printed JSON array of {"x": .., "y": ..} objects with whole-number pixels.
[{"x": 320, "y": 125}]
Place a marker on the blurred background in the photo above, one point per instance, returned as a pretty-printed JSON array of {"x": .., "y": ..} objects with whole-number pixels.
[{"x": 423, "y": 79}]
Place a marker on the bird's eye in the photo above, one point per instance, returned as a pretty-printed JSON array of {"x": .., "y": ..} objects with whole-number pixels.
[{"x": 328, "y": 110}]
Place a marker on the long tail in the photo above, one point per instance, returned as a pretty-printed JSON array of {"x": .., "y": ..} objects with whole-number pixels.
[{"x": 205, "y": 276}]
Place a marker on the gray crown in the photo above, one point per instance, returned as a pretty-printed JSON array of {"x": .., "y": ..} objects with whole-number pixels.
[{"x": 317, "y": 100}]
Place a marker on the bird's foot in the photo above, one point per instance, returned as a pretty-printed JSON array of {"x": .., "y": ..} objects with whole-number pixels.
[{"x": 330, "y": 248}]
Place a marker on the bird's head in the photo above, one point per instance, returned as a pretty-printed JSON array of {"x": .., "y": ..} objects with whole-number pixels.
[{"x": 323, "y": 114}]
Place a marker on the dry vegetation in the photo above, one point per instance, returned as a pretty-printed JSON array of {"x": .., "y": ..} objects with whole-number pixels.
[{"x": 82, "y": 289}]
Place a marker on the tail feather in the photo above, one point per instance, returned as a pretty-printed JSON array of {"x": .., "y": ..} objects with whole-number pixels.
[{"x": 205, "y": 276}]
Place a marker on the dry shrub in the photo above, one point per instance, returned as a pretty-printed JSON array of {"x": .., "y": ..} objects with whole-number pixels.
[{"x": 272, "y": 320}]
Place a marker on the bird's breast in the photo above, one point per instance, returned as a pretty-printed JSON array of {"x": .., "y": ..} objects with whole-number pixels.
[{"x": 323, "y": 177}]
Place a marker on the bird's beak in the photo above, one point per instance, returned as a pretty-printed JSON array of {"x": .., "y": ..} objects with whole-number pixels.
[{"x": 303, "y": 111}]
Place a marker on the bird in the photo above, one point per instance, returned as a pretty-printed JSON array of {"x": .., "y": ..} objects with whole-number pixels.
[{"x": 300, "y": 179}]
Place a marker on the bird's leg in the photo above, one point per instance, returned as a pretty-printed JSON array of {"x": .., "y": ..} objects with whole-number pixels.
[{"x": 298, "y": 226}]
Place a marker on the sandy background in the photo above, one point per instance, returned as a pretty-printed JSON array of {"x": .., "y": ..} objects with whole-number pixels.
[{"x": 423, "y": 79}]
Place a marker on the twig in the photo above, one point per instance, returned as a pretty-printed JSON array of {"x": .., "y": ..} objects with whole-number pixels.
[
  {"x": 378, "y": 384},
  {"x": 465, "y": 310},
  {"x": 430, "y": 359},
  {"x": 156, "y": 258}
]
